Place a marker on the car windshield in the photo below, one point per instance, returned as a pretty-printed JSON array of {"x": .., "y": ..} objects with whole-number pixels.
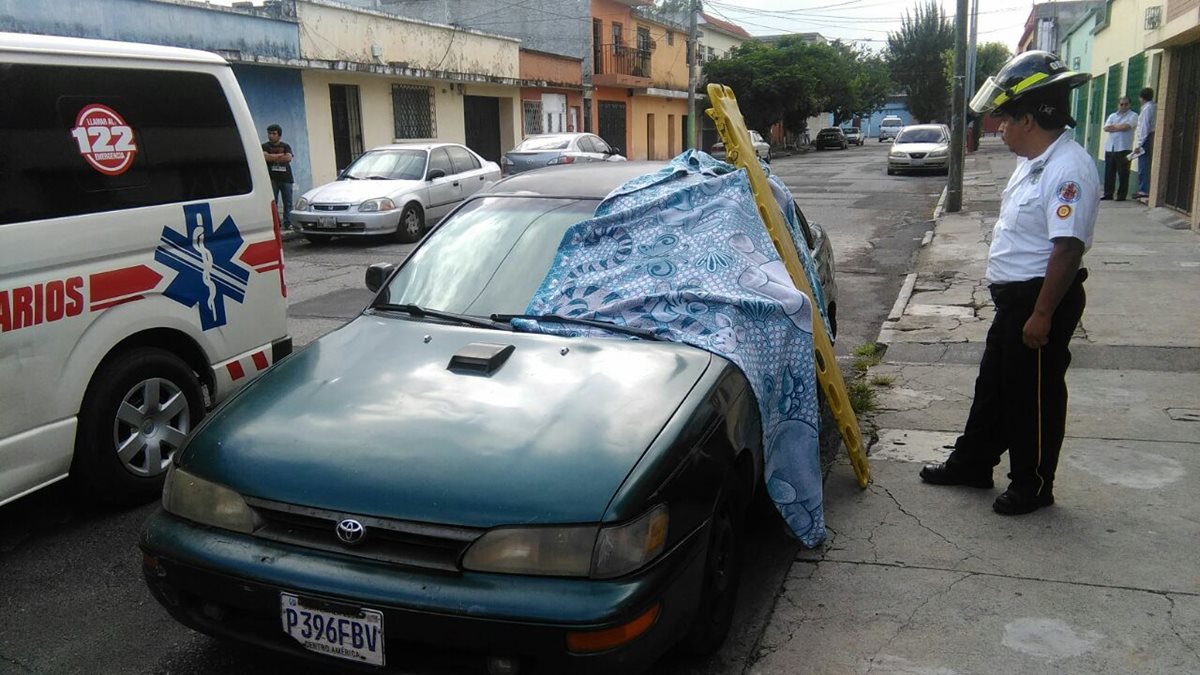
[
  {"x": 489, "y": 258},
  {"x": 543, "y": 143},
  {"x": 850, "y": 130},
  {"x": 830, "y": 130},
  {"x": 920, "y": 136},
  {"x": 388, "y": 165}
]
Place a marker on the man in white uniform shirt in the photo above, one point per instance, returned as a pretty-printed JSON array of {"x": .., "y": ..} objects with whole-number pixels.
[
  {"x": 1143, "y": 141},
  {"x": 1120, "y": 126},
  {"x": 1047, "y": 214}
]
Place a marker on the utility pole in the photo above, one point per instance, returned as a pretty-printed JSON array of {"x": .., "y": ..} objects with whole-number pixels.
[
  {"x": 693, "y": 63},
  {"x": 969, "y": 90},
  {"x": 958, "y": 106}
]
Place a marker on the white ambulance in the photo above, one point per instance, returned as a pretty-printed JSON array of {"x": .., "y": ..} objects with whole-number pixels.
[{"x": 141, "y": 263}]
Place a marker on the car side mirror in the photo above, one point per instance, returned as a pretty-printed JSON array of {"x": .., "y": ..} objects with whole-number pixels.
[
  {"x": 377, "y": 274},
  {"x": 436, "y": 173}
]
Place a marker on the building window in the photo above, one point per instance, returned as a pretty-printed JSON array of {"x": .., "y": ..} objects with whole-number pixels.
[
  {"x": 412, "y": 109},
  {"x": 671, "y": 38},
  {"x": 617, "y": 32},
  {"x": 533, "y": 117}
]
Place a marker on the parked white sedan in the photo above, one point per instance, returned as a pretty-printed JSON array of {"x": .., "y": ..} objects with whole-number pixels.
[
  {"x": 920, "y": 147},
  {"x": 398, "y": 189}
]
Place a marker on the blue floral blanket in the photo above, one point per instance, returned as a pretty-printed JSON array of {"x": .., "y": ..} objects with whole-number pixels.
[{"x": 683, "y": 253}]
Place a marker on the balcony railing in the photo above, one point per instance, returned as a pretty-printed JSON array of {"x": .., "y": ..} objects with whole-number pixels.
[{"x": 621, "y": 60}]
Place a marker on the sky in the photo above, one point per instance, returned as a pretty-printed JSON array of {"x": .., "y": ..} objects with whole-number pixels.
[{"x": 866, "y": 22}]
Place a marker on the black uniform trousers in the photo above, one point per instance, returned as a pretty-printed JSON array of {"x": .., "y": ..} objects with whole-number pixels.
[
  {"x": 1020, "y": 401},
  {"x": 1116, "y": 171}
]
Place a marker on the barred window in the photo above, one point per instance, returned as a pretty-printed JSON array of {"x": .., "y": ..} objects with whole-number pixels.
[
  {"x": 412, "y": 108},
  {"x": 533, "y": 117}
]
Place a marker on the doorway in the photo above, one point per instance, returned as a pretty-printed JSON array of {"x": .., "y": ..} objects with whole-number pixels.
[
  {"x": 346, "y": 115},
  {"x": 1179, "y": 171},
  {"x": 481, "y": 115},
  {"x": 612, "y": 124},
  {"x": 651, "y": 151}
]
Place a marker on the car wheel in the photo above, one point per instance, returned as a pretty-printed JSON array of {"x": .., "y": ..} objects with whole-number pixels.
[
  {"x": 318, "y": 238},
  {"x": 891, "y": 171},
  {"x": 722, "y": 573},
  {"x": 412, "y": 224},
  {"x": 137, "y": 412}
]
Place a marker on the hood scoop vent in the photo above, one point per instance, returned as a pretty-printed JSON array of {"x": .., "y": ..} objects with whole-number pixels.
[{"x": 480, "y": 358}]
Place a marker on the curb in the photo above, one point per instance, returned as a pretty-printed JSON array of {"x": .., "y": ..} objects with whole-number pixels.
[
  {"x": 886, "y": 329},
  {"x": 941, "y": 205}
]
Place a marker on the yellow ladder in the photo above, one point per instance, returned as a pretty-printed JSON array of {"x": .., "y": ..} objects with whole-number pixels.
[{"x": 739, "y": 151}]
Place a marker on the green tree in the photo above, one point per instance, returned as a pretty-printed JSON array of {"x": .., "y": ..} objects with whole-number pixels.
[{"x": 914, "y": 56}]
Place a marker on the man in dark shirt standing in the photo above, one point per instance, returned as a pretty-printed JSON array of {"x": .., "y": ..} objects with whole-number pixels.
[{"x": 279, "y": 164}]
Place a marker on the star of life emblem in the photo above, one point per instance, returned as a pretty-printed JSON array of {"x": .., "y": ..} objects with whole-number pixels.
[{"x": 203, "y": 256}]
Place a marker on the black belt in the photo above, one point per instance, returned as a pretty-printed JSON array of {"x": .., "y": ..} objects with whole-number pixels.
[{"x": 1034, "y": 284}]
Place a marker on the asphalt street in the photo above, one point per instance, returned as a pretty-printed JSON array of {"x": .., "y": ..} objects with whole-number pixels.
[{"x": 73, "y": 600}]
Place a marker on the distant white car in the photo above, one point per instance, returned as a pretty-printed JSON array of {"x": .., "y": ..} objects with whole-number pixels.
[
  {"x": 853, "y": 135},
  {"x": 398, "y": 189},
  {"x": 761, "y": 148},
  {"x": 920, "y": 147},
  {"x": 890, "y": 126},
  {"x": 541, "y": 150}
]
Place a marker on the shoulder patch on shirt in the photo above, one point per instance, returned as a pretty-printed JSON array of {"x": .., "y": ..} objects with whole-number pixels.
[
  {"x": 1068, "y": 192},
  {"x": 1063, "y": 211}
]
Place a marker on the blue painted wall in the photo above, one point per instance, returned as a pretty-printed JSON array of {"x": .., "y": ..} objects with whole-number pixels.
[
  {"x": 895, "y": 106},
  {"x": 276, "y": 96},
  {"x": 178, "y": 24}
]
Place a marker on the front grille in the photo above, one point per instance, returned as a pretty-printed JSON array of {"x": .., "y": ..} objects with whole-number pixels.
[
  {"x": 917, "y": 155},
  {"x": 423, "y": 545},
  {"x": 331, "y": 207}
]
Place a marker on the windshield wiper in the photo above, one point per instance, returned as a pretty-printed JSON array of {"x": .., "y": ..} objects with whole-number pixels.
[
  {"x": 627, "y": 330},
  {"x": 421, "y": 312},
  {"x": 379, "y": 178}
]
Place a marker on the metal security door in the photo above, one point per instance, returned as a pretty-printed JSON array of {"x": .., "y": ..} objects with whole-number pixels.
[
  {"x": 612, "y": 124},
  {"x": 347, "y": 124},
  {"x": 481, "y": 115},
  {"x": 1181, "y": 158}
]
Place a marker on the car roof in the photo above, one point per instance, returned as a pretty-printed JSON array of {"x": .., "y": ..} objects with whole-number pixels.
[
  {"x": 593, "y": 180},
  {"x": 417, "y": 145},
  {"x": 832, "y": 129},
  {"x": 937, "y": 127},
  {"x": 58, "y": 45}
]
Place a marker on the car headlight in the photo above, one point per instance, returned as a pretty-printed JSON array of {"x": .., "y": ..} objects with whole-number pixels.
[
  {"x": 577, "y": 551},
  {"x": 381, "y": 204},
  {"x": 207, "y": 503},
  {"x": 301, "y": 204},
  {"x": 940, "y": 152},
  {"x": 895, "y": 153}
]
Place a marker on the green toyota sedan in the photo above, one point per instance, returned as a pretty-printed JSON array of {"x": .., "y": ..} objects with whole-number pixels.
[{"x": 427, "y": 487}]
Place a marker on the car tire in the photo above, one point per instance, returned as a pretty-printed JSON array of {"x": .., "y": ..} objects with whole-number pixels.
[
  {"x": 722, "y": 574},
  {"x": 411, "y": 225},
  {"x": 318, "y": 238},
  {"x": 119, "y": 408},
  {"x": 891, "y": 171}
]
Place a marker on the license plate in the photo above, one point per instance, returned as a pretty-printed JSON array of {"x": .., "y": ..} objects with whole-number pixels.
[
  {"x": 352, "y": 633},
  {"x": 326, "y": 222},
  {"x": 918, "y": 162}
]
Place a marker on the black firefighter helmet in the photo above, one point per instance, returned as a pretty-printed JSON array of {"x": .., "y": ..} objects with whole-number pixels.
[{"x": 1034, "y": 77}]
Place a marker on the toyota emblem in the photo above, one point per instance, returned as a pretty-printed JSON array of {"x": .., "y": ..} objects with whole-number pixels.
[{"x": 351, "y": 532}]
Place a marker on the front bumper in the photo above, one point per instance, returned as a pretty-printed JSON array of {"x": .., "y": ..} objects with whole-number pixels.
[
  {"x": 228, "y": 585},
  {"x": 347, "y": 222},
  {"x": 918, "y": 164}
]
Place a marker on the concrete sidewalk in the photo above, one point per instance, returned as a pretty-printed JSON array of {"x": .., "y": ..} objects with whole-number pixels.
[{"x": 922, "y": 579}]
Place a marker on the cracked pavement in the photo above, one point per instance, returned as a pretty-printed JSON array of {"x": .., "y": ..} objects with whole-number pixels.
[{"x": 925, "y": 580}]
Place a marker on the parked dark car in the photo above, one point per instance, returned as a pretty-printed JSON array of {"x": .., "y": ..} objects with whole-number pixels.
[
  {"x": 831, "y": 137},
  {"x": 424, "y": 485},
  {"x": 542, "y": 150}
]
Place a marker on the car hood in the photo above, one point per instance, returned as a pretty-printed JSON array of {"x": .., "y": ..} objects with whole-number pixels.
[
  {"x": 368, "y": 420},
  {"x": 354, "y": 191},
  {"x": 918, "y": 147}
]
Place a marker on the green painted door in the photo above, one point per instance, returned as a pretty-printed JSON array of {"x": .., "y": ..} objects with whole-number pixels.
[
  {"x": 1095, "y": 116},
  {"x": 1080, "y": 113},
  {"x": 1135, "y": 80}
]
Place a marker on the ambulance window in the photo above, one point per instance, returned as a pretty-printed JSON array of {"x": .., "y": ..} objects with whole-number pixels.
[{"x": 78, "y": 140}]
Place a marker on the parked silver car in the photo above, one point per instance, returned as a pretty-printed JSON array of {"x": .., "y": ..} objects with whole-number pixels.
[
  {"x": 920, "y": 147},
  {"x": 853, "y": 135},
  {"x": 542, "y": 150},
  {"x": 396, "y": 189},
  {"x": 761, "y": 148}
]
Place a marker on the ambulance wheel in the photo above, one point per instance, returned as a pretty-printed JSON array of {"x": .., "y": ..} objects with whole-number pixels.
[{"x": 138, "y": 410}]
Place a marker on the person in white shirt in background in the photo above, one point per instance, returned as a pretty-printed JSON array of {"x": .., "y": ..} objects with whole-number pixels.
[
  {"x": 1120, "y": 126},
  {"x": 1143, "y": 142}
]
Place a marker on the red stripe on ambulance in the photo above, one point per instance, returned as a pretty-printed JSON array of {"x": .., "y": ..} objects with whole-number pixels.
[{"x": 105, "y": 287}]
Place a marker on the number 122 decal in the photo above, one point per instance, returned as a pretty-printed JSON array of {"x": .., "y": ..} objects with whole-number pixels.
[{"x": 104, "y": 139}]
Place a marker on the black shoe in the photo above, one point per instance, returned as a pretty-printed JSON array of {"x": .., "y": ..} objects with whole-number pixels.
[
  {"x": 1016, "y": 503},
  {"x": 1106, "y": 199},
  {"x": 943, "y": 474}
]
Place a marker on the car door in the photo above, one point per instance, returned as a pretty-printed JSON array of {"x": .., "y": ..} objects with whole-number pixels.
[
  {"x": 445, "y": 191},
  {"x": 472, "y": 176}
]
